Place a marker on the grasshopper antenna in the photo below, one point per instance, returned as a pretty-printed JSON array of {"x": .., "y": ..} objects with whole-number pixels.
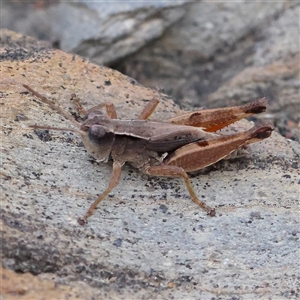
[{"x": 54, "y": 107}]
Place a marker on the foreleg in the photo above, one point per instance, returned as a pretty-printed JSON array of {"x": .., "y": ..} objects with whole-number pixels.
[{"x": 114, "y": 181}]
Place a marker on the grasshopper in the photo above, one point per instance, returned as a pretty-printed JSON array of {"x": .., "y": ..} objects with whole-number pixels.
[{"x": 182, "y": 144}]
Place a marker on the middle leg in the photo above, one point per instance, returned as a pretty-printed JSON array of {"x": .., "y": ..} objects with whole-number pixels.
[{"x": 149, "y": 109}]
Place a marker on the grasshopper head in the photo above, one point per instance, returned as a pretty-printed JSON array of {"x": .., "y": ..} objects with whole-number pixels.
[
  {"x": 96, "y": 136},
  {"x": 94, "y": 131}
]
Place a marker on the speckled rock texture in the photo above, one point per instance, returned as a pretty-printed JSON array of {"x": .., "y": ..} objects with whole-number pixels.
[{"x": 147, "y": 240}]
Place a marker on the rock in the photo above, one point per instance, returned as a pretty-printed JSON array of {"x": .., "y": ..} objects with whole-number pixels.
[
  {"x": 28, "y": 286},
  {"x": 221, "y": 54},
  {"x": 131, "y": 247},
  {"x": 103, "y": 32},
  {"x": 203, "y": 54}
]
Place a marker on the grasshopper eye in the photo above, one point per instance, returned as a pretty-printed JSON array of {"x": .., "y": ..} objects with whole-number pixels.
[{"x": 100, "y": 135}]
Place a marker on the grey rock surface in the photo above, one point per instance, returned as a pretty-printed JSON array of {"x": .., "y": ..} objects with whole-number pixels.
[
  {"x": 103, "y": 31},
  {"x": 202, "y": 53},
  {"x": 147, "y": 240}
]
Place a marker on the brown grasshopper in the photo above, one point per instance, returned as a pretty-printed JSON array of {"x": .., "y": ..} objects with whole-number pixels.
[{"x": 182, "y": 144}]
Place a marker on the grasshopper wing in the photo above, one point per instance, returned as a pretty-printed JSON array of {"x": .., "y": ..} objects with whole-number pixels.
[
  {"x": 158, "y": 136},
  {"x": 169, "y": 137}
]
